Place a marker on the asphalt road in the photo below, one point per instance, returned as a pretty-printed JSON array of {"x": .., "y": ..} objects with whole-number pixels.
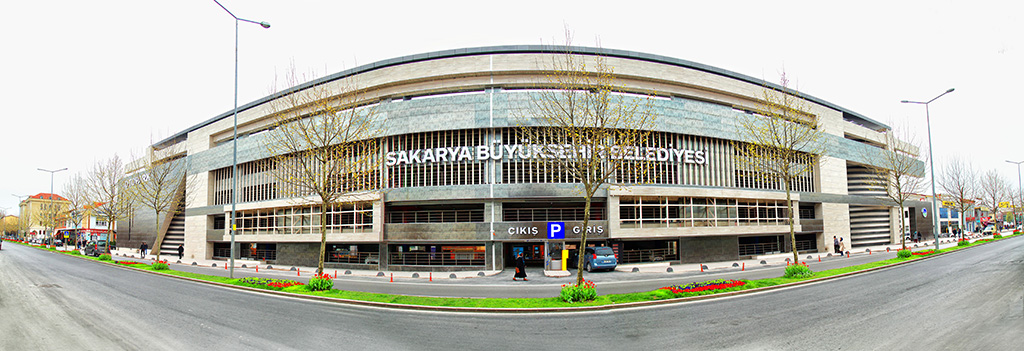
[{"x": 969, "y": 300}]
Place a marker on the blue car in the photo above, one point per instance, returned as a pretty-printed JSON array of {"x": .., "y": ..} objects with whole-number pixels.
[{"x": 601, "y": 257}]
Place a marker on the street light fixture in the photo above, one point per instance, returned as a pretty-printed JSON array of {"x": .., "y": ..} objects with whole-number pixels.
[
  {"x": 1020, "y": 190},
  {"x": 53, "y": 214},
  {"x": 234, "y": 140},
  {"x": 931, "y": 163}
]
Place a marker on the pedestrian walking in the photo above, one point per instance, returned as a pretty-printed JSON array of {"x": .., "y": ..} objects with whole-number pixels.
[
  {"x": 835, "y": 243},
  {"x": 842, "y": 246},
  {"x": 181, "y": 251},
  {"x": 142, "y": 249},
  {"x": 520, "y": 268}
]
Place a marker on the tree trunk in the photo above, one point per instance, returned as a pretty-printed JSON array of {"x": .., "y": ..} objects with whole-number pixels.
[
  {"x": 792, "y": 227},
  {"x": 580, "y": 250},
  {"x": 903, "y": 229},
  {"x": 323, "y": 238},
  {"x": 157, "y": 234}
]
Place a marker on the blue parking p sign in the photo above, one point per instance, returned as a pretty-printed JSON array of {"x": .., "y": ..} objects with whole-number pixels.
[{"x": 556, "y": 230}]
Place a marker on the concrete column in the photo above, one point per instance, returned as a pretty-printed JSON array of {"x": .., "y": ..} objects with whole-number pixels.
[{"x": 384, "y": 256}]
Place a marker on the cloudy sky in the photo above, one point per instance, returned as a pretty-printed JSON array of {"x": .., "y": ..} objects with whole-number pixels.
[{"x": 84, "y": 80}]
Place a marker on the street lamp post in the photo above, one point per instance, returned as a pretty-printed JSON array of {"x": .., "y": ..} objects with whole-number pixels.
[
  {"x": 931, "y": 163},
  {"x": 234, "y": 140},
  {"x": 53, "y": 213},
  {"x": 1020, "y": 191}
]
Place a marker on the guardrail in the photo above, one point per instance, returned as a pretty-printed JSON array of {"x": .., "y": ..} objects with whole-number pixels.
[
  {"x": 262, "y": 255},
  {"x": 436, "y": 259},
  {"x": 772, "y": 248},
  {"x": 650, "y": 255},
  {"x": 347, "y": 257}
]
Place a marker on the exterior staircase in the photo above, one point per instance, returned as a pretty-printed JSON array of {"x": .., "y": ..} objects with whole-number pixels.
[
  {"x": 175, "y": 235},
  {"x": 172, "y": 230}
]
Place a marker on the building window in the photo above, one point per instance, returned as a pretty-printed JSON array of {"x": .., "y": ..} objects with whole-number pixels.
[
  {"x": 806, "y": 211},
  {"x": 342, "y": 218},
  {"x": 550, "y": 211},
  {"x": 453, "y": 213},
  {"x": 662, "y": 212}
]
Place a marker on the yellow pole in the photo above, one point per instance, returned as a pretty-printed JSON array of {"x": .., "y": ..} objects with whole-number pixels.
[{"x": 565, "y": 258}]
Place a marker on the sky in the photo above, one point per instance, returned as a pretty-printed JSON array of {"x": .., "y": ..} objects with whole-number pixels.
[{"x": 84, "y": 80}]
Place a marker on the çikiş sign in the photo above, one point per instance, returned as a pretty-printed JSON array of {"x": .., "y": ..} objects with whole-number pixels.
[{"x": 498, "y": 152}]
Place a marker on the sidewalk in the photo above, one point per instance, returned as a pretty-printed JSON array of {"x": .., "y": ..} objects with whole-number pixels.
[{"x": 625, "y": 272}]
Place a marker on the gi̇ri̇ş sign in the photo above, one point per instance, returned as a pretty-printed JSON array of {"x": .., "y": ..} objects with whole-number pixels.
[{"x": 530, "y": 151}]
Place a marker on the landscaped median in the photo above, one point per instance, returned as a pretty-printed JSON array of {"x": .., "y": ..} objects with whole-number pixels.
[{"x": 669, "y": 294}]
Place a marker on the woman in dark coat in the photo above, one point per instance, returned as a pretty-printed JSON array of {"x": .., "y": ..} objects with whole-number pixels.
[{"x": 520, "y": 268}]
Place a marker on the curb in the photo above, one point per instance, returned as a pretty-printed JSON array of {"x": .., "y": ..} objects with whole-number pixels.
[{"x": 535, "y": 310}]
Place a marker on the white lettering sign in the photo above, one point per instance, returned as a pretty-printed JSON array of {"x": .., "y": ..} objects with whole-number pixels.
[
  {"x": 591, "y": 229},
  {"x": 531, "y": 151},
  {"x": 523, "y": 231}
]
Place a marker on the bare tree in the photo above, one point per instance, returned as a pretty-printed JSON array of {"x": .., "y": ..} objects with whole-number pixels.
[
  {"x": 4, "y": 226},
  {"x": 76, "y": 192},
  {"x": 109, "y": 189},
  {"x": 325, "y": 144},
  {"x": 159, "y": 182},
  {"x": 584, "y": 115},
  {"x": 993, "y": 191},
  {"x": 898, "y": 170},
  {"x": 960, "y": 182},
  {"x": 780, "y": 143}
]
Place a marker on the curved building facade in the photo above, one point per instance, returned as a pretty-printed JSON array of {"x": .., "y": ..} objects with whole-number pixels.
[{"x": 460, "y": 191}]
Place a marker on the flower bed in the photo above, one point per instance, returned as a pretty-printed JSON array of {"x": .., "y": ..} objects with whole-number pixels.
[
  {"x": 922, "y": 253},
  {"x": 983, "y": 240},
  {"x": 272, "y": 283},
  {"x": 576, "y": 293},
  {"x": 128, "y": 262},
  {"x": 704, "y": 286}
]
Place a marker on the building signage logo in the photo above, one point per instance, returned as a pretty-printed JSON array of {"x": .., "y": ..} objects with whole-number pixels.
[
  {"x": 556, "y": 230},
  {"x": 525, "y": 152}
]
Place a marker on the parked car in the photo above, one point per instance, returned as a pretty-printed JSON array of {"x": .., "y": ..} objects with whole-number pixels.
[
  {"x": 601, "y": 257},
  {"x": 989, "y": 230},
  {"x": 96, "y": 248}
]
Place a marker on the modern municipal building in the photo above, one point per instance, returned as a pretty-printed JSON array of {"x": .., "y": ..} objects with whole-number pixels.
[{"x": 457, "y": 193}]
